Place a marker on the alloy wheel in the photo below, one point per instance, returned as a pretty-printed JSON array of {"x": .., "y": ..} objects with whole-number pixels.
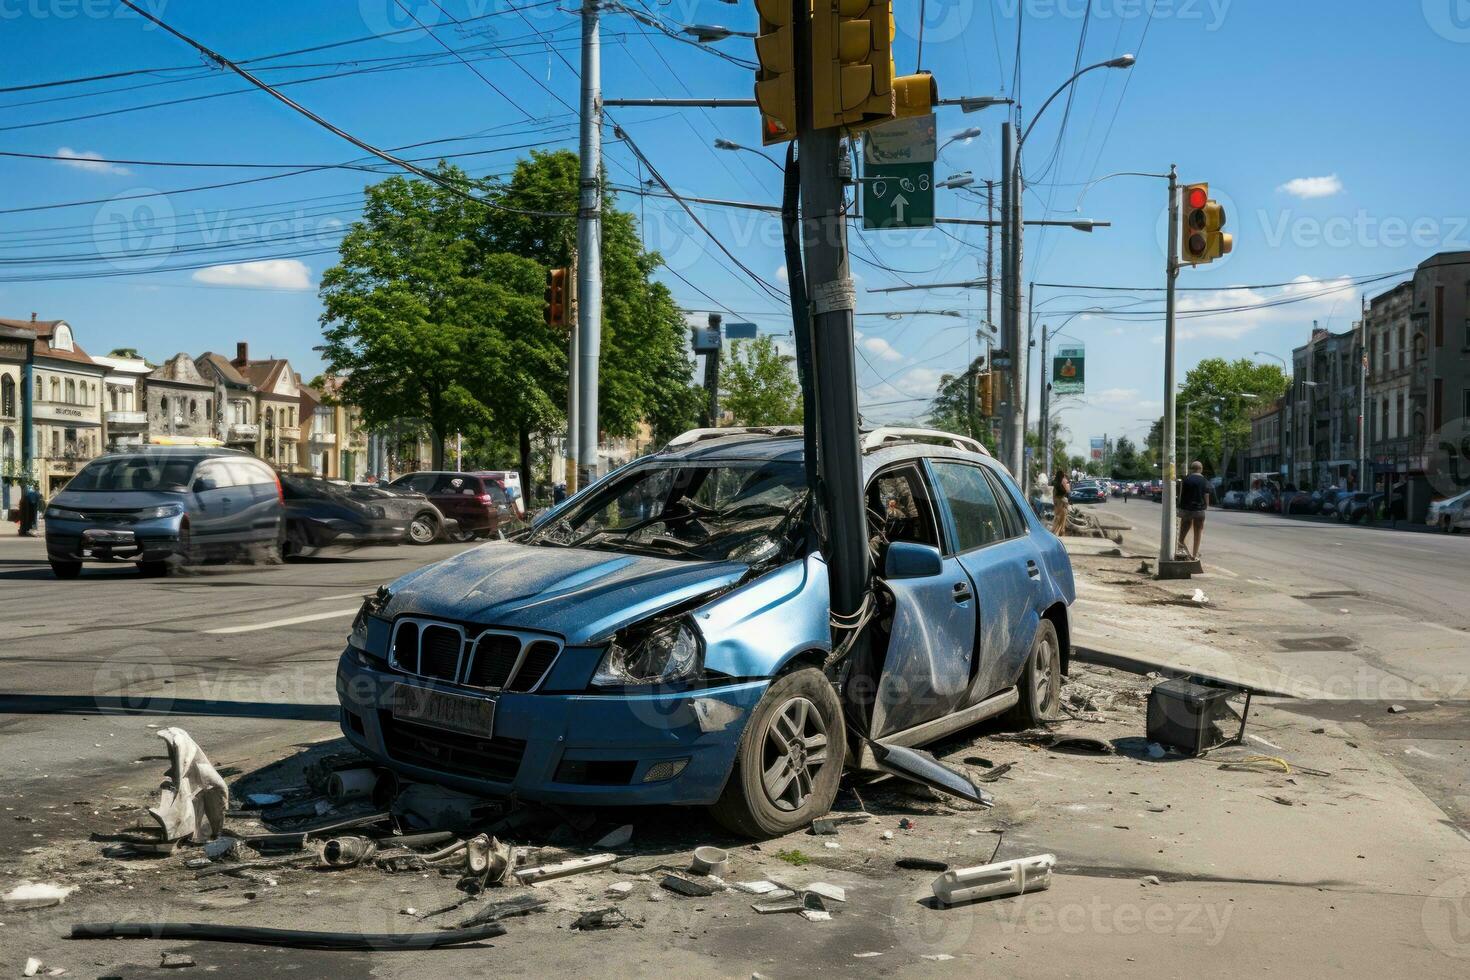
[
  {"x": 1048, "y": 679},
  {"x": 794, "y": 751},
  {"x": 421, "y": 530}
]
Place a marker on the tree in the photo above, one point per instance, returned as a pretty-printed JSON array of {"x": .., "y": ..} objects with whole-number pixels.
[
  {"x": 1220, "y": 395},
  {"x": 950, "y": 409},
  {"x": 758, "y": 385}
]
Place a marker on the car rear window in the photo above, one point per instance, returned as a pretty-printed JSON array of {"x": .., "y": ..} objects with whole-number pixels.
[{"x": 133, "y": 473}]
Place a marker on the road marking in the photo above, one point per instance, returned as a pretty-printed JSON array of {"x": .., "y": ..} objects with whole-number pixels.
[
  {"x": 345, "y": 595},
  {"x": 292, "y": 621}
]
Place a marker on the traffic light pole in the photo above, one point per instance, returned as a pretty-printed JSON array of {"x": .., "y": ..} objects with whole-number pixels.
[
  {"x": 841, "y": 513},
  {"x": 589, "y": 249},
  {"x": 1015, "y": 344},
  {"x": 1044, "y": 424},
  {"x": 1169, "y": 525},
  {"x": 712, "y": 374}
]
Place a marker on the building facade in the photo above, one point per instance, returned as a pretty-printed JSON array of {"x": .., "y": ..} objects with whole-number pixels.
[
  {"x": 181, "y": 405},
  {"x": 124, "y": 420},
  {"x": 1325, "y": 409},
  {"x": 66, "y": 397},
  {"x": 1268, "y": 439},
  {"x": 278, "y": 397},
  {"x": 16, "y": 344},
  {"x": 237, "y": 419}
]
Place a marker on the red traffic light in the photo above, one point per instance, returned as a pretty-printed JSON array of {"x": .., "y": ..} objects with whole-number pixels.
[{"x": 1198, "y": 197}]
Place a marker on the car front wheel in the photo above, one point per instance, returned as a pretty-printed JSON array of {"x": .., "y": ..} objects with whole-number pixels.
[
  {"x": 789, "y": 761},
  {"x": 1041, "y": 679},
  {"x": 423, "y": 529}
]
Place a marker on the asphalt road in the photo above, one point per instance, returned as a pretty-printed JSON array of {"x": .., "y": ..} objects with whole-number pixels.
[
  {"x": 237, "y": 655},
  {"x": 1424, "y": 575}
]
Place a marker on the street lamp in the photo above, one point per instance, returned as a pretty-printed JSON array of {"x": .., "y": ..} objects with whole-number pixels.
[
  {"x": 964, "y": 134},
  {"x": 955, "y": 181},
  {"x": 710, "y": 33},
  {"x": 724, "y": 144}
]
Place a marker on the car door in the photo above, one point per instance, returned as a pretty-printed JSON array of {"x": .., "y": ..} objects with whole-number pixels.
[
  {"x": 214, "y": 505},
  {"x": 259, "y": 501},
  {"x": 992, "y": 543},
  {"x": 928, "y": 663}
]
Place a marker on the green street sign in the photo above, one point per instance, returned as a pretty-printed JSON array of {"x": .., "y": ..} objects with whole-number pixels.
[
  {"x": 898, "y": 195},
  {"x": 1068, "y": 371}
]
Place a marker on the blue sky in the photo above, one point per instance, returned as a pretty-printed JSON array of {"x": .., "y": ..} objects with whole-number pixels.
[{"x": 1333, "y": 131}]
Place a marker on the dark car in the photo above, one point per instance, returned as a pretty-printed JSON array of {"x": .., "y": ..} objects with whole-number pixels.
[
  {"x": 1356, "y": 508},
  {"x": 1156, "y": 491},
  {"x": 166, "y": 504},
  {"x": 479, "y": 505},
  {"x": 320, "y": 514},
  {"x": 426, "y": 523},
  {"x": 1088, "y": 493}
]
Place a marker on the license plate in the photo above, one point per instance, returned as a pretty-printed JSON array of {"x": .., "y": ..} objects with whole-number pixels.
[
  {"x": 439, "y": 709},
  {"x": 107, "y": 537}
]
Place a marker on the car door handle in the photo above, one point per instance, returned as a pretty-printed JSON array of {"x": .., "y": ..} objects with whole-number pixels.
[
  {"x": 962, "y": 593},
  {"x": 1032, "y": 569}
]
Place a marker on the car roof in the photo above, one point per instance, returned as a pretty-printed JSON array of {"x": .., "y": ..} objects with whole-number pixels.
[
  {"x": 176, "y": 452},
  {"x": 759, "y": 447}
]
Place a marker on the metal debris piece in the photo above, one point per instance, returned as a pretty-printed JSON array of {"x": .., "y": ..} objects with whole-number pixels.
[
  {"x": 992, "y": 775},
  {"x": 605, "y": 918},
  {"x": 194, "y": 797},
  {"x": 920, "y": 864},
  {"x": 507, "y": 909},
  {"x": 801, "y": 902},
  {"x": 1015, "y": 877},
  {"x": 562, "y": 869},
  {"x": 710, "y": 861},
  {"x": 346, "y": 785},
  {"x": 224, "y": 849},
  {"x": 757, "y": 887},
  {"x": 344, "y": 852}
]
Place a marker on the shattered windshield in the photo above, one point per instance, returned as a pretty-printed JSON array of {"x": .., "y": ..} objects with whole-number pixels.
[
  {"x": 710, "y": 511},
  {"x": 134, "y": 473}
]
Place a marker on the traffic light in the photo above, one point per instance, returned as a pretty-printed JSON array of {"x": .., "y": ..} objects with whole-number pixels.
[
  {"x": 987, "y": 394},
  {"x": 556, "y": 299},
  {"x": 1201, "y": 238},
  {"x": 853, "y": 80},
  {"x": 775, "y": 79}
]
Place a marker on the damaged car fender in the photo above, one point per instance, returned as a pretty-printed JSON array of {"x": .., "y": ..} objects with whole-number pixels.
[{"x": 756, "y": 629}]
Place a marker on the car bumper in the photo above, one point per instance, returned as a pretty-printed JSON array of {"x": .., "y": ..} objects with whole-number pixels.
[
  {"x": 321, "y": 532},
  {"x": 577, "y": 749},
  {"x": 149, "y": 541}
]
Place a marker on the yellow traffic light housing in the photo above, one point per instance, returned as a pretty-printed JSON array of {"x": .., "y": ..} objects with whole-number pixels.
[
  {"x": 775, "y": 79},
  {"x": 1202, "y": 220},
  {"x": 854, "y": 84},
  {"x": 556, "y": 299},
  {"x": 987, "y": 395}
]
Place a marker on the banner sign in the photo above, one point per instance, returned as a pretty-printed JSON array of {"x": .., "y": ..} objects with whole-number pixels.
[
  {"x": 1067, "y": 371},
  {"x": 1099, "y": 448}
]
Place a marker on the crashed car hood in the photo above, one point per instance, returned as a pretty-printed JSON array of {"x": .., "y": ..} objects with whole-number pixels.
[
  {"x": 85, "y": 500},
  {"x": 580, "y": 594}
]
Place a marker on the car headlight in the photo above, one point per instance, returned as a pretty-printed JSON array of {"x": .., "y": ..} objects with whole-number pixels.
[
  {"x": 62, "y": 514},
  {"x": 162, "y": 510},
  {"x": 668, "y": 652},
  {"x": 371, "y": 606}
]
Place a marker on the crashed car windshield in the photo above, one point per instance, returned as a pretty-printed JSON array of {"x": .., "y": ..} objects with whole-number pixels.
[
  {"x": 719, "y": 511},
  {"x": 135, "y": 473}
]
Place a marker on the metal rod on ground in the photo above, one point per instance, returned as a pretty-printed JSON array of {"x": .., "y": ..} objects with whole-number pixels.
[
  {"x": 1170, "y": 460},
  {"x": 589, "y": 247}
]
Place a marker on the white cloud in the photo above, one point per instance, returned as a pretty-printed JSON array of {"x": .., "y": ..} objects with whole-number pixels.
[
  {"x": 782, "y": 274},
  {"x": 880, "y": 348},
  {"x": 1316, "y": 299},
  {"x": 88, "y": 160},
  {"x": 1310, "y": 187},
  {"x": 266, "y": 274},
  {"x": 1114, "y": 397}
]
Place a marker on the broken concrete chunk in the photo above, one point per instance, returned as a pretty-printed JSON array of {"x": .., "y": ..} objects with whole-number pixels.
[
  {"x": 176, "y": 961},
  {"x": 619, "y": 889},
  {"x": 687, "y": 886},
  {"x": 835, "y": 893},
  {"x": 36, "y": 895},
  {"x": 616, "y": 838},
  {"x": 562, "y": 869},
  {"x": 1396, "y": 709}
]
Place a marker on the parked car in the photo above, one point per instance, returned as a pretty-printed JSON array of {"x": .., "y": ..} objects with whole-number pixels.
[
  {"x": 1354, "y": 507},
  {"x": 478, "y": 505},
  {"x": 1156, "y": 491},
  {"x": 1087, "y": 493},
  {"x": 163, "y": 505},
  {"x": 1261, "y": 499},
  {"x": 1233, "y": 500},
  {"x": 426, "y": 524},
  {"x": 662, "y": 637},
  {"x": 321, "y": 514},
  {"x": 1332, "y": 499},
  {"x": 1451, "y": 515},
  {"x": 510, "y": 482}
]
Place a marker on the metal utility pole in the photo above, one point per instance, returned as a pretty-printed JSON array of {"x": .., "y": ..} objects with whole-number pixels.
[
  {"x": 1012, "y": 431},
  {"x": 1170, "y": 462},
  {"x": 589, "y": 248},
  {"x": 712, "y": 374},
  {"x": 573, "y": 401},
  {"x": 1044, "y": 424},
  {"x": 842, "y": 520},
  {"x": 1362, "y": 404}
]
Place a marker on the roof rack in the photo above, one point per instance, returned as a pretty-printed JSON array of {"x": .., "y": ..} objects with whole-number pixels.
[
  {"x": 701, "y": 435},
  {"x": 884, "y": 435}
]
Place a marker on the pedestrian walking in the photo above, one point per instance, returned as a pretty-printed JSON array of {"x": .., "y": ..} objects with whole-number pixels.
[
  {"x": 30, "y": 509},
  {"x": 1061, "y": 487},
  {"x": 1194, "y": 500}
]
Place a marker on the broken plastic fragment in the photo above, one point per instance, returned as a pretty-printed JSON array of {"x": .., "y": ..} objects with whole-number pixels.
[{"x": 194, "y": 796}]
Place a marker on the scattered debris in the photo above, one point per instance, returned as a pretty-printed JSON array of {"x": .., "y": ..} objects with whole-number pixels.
[
  {"x": 905, "y": 823},
  {"x": 33, "y": 967},
  {"x": 829, "y": 824},
  {"x": 710, "y": 861},
  {"x": 347, "y": 785},
  {"x": 920, "y": 864},
  {"x": 175, "y": 961},
  {"x": 36, "y": 895},
  {"x": 507, "y": 909},
  {"x": 607, "y": 918},
  {"x": 345, "y": 852},
  {"x": 681, "y": 885},
  {"x": 1016, "y": 877},
  {"x": 285, "y": 938},
  {"x": 1080, "y": 743},
  {"x": 1150, "y": 880},
  {"x": 757, "y": 887},
  {"x": 562, "y": 869},
  {"x": 800, "y": 902},
  {"x": 193, "y": 798},
  {"x": 619, "y": 889},
  {"x": 224, "y": 849},
  {"x": 1199, "y": 597},
  {"x": 1396, "y": 709},
  {"x": 992, "y": 775},
  {"x": 264, "y": 799},
  {"x": 834, "y": 893}
]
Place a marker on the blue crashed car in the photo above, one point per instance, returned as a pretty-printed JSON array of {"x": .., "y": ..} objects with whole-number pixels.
[{"x": 663, "y": 637}]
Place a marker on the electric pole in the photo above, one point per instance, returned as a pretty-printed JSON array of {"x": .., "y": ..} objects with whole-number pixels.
[
  {"x": 1044, "y": 423},
  {"x": 588, "y": 343},
  {"x": 712, "y": 373},
  {"x": 1170, "y": 461},
  {"x": 1014, "y": 419}
]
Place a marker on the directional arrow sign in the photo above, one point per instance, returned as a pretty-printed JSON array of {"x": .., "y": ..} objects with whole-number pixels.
[{"x": 898, "y": 195}]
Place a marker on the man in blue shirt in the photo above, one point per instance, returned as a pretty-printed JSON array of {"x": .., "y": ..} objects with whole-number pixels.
[{"x": 1194, "y": 500}]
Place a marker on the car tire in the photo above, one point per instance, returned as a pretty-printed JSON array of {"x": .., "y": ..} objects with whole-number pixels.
[
  {"x": 462, "y": 536},
  {"x": 153, "y": 569},
  {"x": 1447, "y": 525},
  {"x": 423, "y": 529},
  {"x": 295, "y": 545},
  {"x": 66, "y": 569},
  {"x": 799, "y": 706},
  {"x": 1041, "y": 680}
]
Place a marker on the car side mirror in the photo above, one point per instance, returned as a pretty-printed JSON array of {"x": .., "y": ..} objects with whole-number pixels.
[
  {"x": 204, "y": 484},
  {"x": 907, "y": 559}
]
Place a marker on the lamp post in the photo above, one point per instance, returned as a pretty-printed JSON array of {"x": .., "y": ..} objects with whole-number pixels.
[{"x": 724, "y": 144}]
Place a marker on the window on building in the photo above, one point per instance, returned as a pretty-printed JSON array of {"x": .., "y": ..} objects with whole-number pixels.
[
  {"x": 7, "y": 397},
  {"x": 1438, "y": 317},
  {"x": 209, "y": 409},
  {"x": 1403, "y": 347},
  {"x": 55, "y": 443},
  {"x": 163, "y": 406},
  {"x": 71, "y": 392},
  {"x": 1383, "y": 433},
  {"x": 193, "y": 409}
]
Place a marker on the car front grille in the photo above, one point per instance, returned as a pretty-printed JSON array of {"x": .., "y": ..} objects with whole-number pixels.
[
  {"x": 496, "y": 758},
  {"x": 110, "y": 516},
  {"x": 491, "y": 659}
]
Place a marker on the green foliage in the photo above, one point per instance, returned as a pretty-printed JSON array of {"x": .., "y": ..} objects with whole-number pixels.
[
  {"x": 950, "y": 410},
  {"x": 1217, "y": 389},
  {"x": 759, "y": 386}
]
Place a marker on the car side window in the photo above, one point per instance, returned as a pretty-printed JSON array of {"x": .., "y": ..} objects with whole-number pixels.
[
  {"x": 1015, "y": 520},
  {"x": 215, "y": 473},
  {"x": 900, "y": 509},
  {"x": 972, "y": 505},
  {"x": 247, "y": 474}
]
